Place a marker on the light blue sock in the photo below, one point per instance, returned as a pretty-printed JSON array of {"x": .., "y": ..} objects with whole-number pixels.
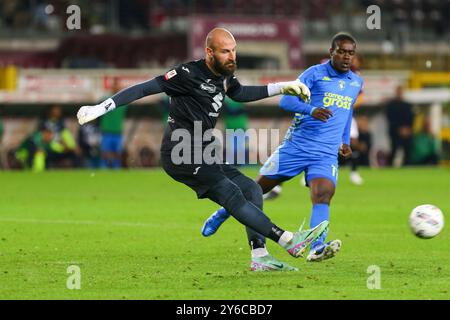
[{"x": 320, "y": 212}]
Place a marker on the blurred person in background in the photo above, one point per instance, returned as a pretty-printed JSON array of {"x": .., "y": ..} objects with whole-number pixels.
[
  {"x": 354, "y": 160},
  {"x": 364, "y": 140},
  {"x": 65, "y": 152},
  {"x": 147, "y": 157},
  {"x": 164, "y": 104},
  {"x": 236, "y": 119},
  {"x": 400, "y": 118},
  {"x": 33, "y": 150},
  {"x": 89, "y": 138},
  {"x": 15, "y": 13},
  {"x": 425, "y": 146},
  {"x": 355, "y": 177},
  {"x": 111, "y": 128}
]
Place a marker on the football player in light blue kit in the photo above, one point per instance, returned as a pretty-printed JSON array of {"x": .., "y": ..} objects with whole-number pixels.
[{"x": 319, "y": 131}]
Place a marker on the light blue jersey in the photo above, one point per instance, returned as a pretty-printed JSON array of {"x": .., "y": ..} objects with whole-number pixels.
[
  {"x": 311, "y": 145},
  {"x": 329, "y": 89}
]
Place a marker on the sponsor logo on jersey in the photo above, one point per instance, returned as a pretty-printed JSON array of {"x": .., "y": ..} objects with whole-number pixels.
[
  {"x": 217, "y": 104},
  {"x": 208, "y": 87},
  {"x": 170, "y": 74},
  {"x": 355, "y": 84},
  {"x": 326, "y": 78},
  {"x": 333, "y": 99},
  {"x": 213, "y": 114},
  {"x": 185, "y": 69}
]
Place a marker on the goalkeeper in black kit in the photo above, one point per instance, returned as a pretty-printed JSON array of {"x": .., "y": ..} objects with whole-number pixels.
[{"x": 197, "y": 90}]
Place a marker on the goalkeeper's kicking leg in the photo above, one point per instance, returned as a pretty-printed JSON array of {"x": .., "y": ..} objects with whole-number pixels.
[
  {"x": 213, "y": 223},
  {"x": 261, "y": 260},
  {"x": 322, "y": 190},
  {"x": 213, "y": 182},
  {"x": 231, "y": 197}
]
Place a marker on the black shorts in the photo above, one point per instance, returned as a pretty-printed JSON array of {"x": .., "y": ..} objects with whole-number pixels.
[{"x": 199, "y": 177}]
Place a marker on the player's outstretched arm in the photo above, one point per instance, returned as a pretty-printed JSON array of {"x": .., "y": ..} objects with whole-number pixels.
[
  {"x": 241, "y": 93},
  {"x": 130, "y": 94},
  {"x": 291, "y": 88}
]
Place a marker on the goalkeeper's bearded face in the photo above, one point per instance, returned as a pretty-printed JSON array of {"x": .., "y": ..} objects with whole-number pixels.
[{"x": 224, "y": 57}]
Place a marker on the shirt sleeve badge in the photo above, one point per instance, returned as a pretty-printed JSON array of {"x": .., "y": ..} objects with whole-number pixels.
[{"x": 170, "y": 74}]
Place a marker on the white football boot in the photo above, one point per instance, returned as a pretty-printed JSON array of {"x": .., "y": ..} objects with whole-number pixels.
[{"x": 324, "y": 251}]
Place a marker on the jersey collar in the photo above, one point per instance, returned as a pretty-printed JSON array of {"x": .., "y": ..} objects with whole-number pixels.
[{"x": 334, "y": 73}]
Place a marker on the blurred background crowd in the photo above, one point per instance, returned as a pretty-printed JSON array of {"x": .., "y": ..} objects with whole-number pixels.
[
  {"x": 48, "y": 70},
  {"x": 421, "y": 19}
]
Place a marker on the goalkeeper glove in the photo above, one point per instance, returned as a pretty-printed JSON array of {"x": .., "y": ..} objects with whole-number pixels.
[
  {"x": 89, "y": 113},
  {"x": 292, "y": 88}
]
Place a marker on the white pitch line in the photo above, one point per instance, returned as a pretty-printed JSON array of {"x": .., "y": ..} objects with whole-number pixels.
[{"x": 80, "y": 222}]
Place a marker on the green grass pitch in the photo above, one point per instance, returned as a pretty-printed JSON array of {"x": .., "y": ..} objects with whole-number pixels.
[{"x": 136, "y": 235}]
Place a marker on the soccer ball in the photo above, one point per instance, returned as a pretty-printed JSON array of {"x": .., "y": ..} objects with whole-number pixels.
[{"x": 426, "y": 221}]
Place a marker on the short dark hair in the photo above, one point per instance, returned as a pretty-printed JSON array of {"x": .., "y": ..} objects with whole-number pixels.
[{"x": 341, "y": 37}]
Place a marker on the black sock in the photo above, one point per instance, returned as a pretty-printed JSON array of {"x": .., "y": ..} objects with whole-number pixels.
[
  {"x": 275, "y": 234},
  {"x": 254, "y": 218},
  {"x": 256, "y": 243}
]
